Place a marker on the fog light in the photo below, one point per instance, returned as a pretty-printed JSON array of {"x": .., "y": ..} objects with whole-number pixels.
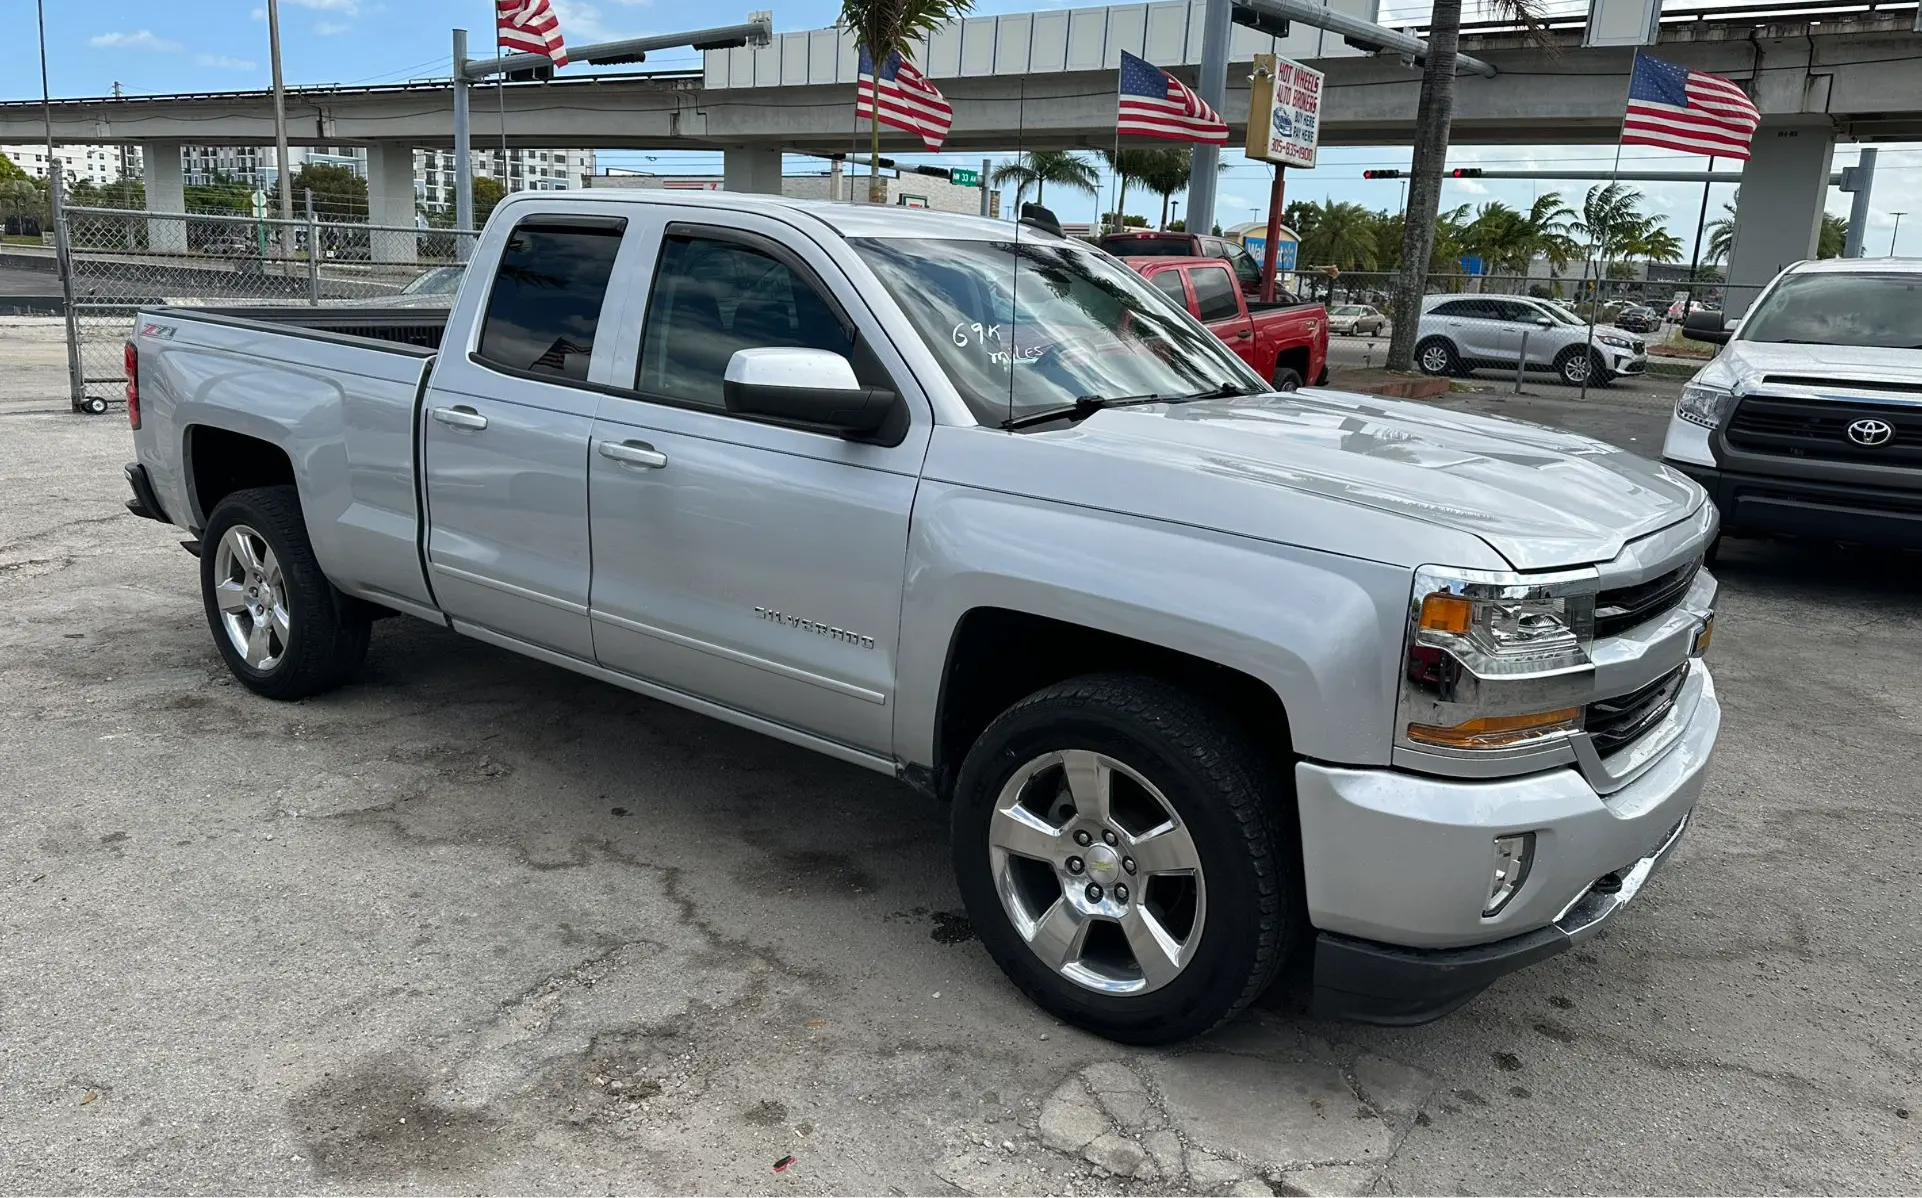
[{"x": 1512, "y": 857}]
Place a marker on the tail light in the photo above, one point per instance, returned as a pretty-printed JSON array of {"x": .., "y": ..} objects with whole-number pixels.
[{"x": 133, "y": 386}]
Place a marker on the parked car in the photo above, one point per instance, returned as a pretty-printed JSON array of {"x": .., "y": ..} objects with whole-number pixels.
[
  {"x": 1809, "y": 421},
  {"x": 1285, "y": 342},
  {"x": 1152, "y": 243},
  {"x": 1363, "y": 319},
  {"x": 1463, "y": 333},
  {"x": 1219, "y": 683},
  {"x": 1639, "y": 319}
]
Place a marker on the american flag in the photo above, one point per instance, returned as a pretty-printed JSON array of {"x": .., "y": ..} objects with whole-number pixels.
[
  {"x": 530, "y": 26},
  {"x": 1156, "y": 104},
  {"x": 908, "y": 101},
  {"x": 1679, "y": 109}
]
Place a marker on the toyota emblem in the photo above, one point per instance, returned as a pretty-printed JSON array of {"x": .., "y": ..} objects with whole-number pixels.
[{"x": 1870, "y": 432}]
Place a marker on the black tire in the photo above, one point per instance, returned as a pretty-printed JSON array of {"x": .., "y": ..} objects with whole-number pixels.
[
  {"x": 327, "y": 632},
  {"x": 1287, "y": 379},
  {"x": 1438, "y": 357},
  {"x": 1240, "y": 819},
  {"x": 1568, "y": 367},
  {"x": 95, "y": 405}
]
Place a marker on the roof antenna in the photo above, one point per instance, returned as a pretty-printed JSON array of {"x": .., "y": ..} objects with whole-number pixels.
[{"x": 1020, "y": 142}]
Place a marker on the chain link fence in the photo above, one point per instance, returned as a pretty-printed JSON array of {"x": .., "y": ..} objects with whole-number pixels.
[
  {"x": 1605, "y": 299},
  {"x": 123, "y": 261}
]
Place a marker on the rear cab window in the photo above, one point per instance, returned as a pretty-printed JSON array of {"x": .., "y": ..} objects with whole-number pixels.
[{"x": 544, "y": 308}]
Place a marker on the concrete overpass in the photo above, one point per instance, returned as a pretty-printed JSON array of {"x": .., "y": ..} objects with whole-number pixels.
[{"x": 1046, "y": 81}]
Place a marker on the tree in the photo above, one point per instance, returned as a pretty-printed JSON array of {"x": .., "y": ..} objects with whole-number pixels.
[
  {"x": 1336, "y": 234},
  {"x": 1128, "y": 165},
  {"x": 339, "y": 193},
  {"x": 1433, "y": 117},
  {"x": 488, "y": 191},
  {"x": 1549, "y": 221},
  {"x": 1833, "y": 238},
  {"x": 1043, "y": 167},
  {"x": 1721, "y": 233},
  {"x": 224, "y": 196},
  {"x": 10, "y": 170},
  {"x": 1166, "y": 172},
  {"x": 885, "y": 28}
]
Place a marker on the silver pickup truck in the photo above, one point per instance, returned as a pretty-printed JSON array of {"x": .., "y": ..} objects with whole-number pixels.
[{"x": 1220, "y": 684}]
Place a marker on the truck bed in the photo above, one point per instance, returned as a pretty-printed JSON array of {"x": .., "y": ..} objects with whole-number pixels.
[{"x": 415, "y": 331}]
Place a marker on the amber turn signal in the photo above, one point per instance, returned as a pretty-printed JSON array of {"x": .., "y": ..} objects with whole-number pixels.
[
  {"x": 1496, "y": 731},
  {"x": 1442, "y": 612}
]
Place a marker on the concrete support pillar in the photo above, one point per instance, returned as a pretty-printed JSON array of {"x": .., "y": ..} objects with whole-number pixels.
[
  {"x": 751, "y": 168},
  {"x": 1778, "y": 216},
  {"x": 390, "y": 202},
  {"x": 166, "y": 185}
]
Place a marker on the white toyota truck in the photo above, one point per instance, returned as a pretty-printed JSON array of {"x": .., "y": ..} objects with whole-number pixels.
[{"x": 1219, "y": 682}]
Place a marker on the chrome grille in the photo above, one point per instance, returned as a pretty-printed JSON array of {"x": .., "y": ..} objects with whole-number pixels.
[
  {"x": 1620, "y": 609},
  {"x": 1612, "y": 723}
]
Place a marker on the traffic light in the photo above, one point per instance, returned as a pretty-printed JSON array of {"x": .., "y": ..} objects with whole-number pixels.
[
  {"x": 1260, "y": 22},
  {"x": 1381, "y": 174},
  {"x": 1466, "y": 172}
]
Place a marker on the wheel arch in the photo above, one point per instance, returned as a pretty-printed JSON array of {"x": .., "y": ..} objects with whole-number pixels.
[{"x": 218, "y": 461}]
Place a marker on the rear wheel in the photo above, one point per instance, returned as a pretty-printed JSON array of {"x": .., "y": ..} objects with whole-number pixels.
[
  {"x": 1125, "y": 858},
  {"x": 1437, "y": 357},
  {"x": 283, "y": 629}
]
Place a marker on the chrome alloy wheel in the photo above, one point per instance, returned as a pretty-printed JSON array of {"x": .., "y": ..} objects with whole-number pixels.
[
  {"x": 1434, "y": 359},
  {"x": 252, "y": 597},
  {"x": 1097, "y": 872}
]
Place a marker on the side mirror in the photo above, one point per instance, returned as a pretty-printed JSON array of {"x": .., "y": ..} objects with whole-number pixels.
[
  {"x": 1544, "y": 322},
  {"x": 812, "y": 387},
  {"x": 1707, "y": 326}
]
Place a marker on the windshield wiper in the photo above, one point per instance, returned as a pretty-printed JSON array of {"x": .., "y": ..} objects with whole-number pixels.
[
  {"x": 1082, "y": 408},
  {"x": 1226, "y": 391}
]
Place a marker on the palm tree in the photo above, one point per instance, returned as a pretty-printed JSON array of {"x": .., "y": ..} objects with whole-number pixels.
[
  {"x": 885, "y": 28},
  {"x": 1721, "y": 233},
  {"x": 1657, "y": 244},
  {"x": 1337, "y": 234},
  {"x": 1128, "y": 165},
  {"x": 1166, "y": 172},
  {"x": 1833, "y": 238},
  {"x": 1043, "y": 167},
  {"x": 1549, "y": 221},
  {"x": 1433, "y": 116}
]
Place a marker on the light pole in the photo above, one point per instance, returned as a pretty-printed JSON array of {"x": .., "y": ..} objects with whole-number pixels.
[
  {"x": 280, "y": 112},
  {"x": 1896, "y": 231}
]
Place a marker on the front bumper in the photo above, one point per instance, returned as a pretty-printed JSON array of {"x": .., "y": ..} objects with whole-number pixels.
[
  {"x": 1620, "y": 361},
  {"x": 1397, "y": 867},
  {"x": 1787, "y": 505}
]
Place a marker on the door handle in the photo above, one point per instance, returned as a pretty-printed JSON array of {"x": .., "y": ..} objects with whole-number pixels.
[
  {"x": 1245, "y": 333},
  {"x": 633, "y": 453},
  {"x": 461, "y": 416}
]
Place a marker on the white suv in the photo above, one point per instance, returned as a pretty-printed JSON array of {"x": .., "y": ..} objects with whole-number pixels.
[{"x": 1460, "y": 333}]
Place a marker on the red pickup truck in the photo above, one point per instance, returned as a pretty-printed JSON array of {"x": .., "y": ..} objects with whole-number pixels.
[{"x": 1286, "y": 342}]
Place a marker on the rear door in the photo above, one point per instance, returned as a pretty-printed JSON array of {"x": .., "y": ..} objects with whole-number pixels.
[
  {"x": 1219, "y": 304},
  {"x": 505, "y": 437},
  {"x": 736, "y": 561}
]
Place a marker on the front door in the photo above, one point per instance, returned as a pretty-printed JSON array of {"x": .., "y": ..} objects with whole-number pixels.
[
  {"x": 753, "y": 565},
  {"x": 1218, "y": 302},
  {"x": 505, "y": 435}
]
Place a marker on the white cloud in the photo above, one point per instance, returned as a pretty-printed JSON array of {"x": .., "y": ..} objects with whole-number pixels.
[
  {"x": 1228, "y": 203},
  {"x": 220, "y": 62},
  {"x": 331, "y": 28},
  {"x": 582, "y": 24},
  {"x": 258, "y": 14},
  {"x": 143, "y": 39},
  {"x": 1469, "y": 186}
]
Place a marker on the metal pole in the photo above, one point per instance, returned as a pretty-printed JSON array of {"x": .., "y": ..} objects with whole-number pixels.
[
  {"x": 986, "y": 165},
  {"x": 1521, "y": 366},
  {"x": 1859, "y": 209},
  {"x": 463, "y": 154},
  {"x": 313, "y": 253},
  {"x": 1216, "y": 26},
  {"x": 1272, "y": 253},
  {"x": 1695, "y": 258},
  {"x": 62, "y": 246},
  {"x": 280, "y": 113},
  {"x": 1897, "y": 231}
]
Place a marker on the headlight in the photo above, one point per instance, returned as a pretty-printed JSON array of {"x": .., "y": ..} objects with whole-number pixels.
[
  {"x": 1706, "y": 406},
  {"x": 1617, "y": 342},
  {"x": 1496, "y": 661}
]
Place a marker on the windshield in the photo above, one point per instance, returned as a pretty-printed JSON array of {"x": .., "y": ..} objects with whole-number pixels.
[
  {"x": 444, "y": 280},
  {"x": 1025, "y": 328},
  {"x": 1558, "y": 315},
  {"x": 1880, "y": 311}
]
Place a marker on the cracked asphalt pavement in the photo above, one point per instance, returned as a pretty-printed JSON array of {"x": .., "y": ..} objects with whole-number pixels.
[{"x": 477, "y": 924}]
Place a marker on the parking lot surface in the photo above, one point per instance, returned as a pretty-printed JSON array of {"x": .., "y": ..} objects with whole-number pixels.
[{"x": 477, "y": 924}]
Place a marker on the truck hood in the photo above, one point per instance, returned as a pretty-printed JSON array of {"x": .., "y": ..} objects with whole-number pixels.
[
  {"x": 1747, "y": 363},
  {"x": 1540, "y": 498}
]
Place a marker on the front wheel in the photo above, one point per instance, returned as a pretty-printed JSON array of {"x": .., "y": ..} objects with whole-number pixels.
[
  {"x": 1576, "y": 366},
  {"x": 1287, "y": 379},
  {"x": 283, "y": 629},
  {"x": 1127, "y": 858}
]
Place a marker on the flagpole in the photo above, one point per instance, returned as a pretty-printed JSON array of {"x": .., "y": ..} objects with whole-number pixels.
[
  {"x": 1594, "y": 241},
  {"x": 500, "y": 51}
]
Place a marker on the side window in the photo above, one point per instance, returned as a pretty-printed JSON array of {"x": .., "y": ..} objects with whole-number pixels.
[
  {"x": 1168, "y": 283},
  {"x": 714, "y": 297},
  {"x": 545, "y": 306},
  {"x": 1214, "y": 293},
  {"x": 1510, "y": 310}
]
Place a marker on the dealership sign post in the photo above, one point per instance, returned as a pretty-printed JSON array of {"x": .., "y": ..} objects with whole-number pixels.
[{"x": 1284, "y": 127}]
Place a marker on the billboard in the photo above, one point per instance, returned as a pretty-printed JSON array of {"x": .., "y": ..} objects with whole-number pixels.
[{"x": 1284, "y": 112}]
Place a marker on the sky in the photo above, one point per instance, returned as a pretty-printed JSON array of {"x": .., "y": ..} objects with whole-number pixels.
[{"x": 218, "y": 45}]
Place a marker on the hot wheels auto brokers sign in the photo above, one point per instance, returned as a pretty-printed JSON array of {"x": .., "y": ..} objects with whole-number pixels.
[{"x": 1292, "y": 130}]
